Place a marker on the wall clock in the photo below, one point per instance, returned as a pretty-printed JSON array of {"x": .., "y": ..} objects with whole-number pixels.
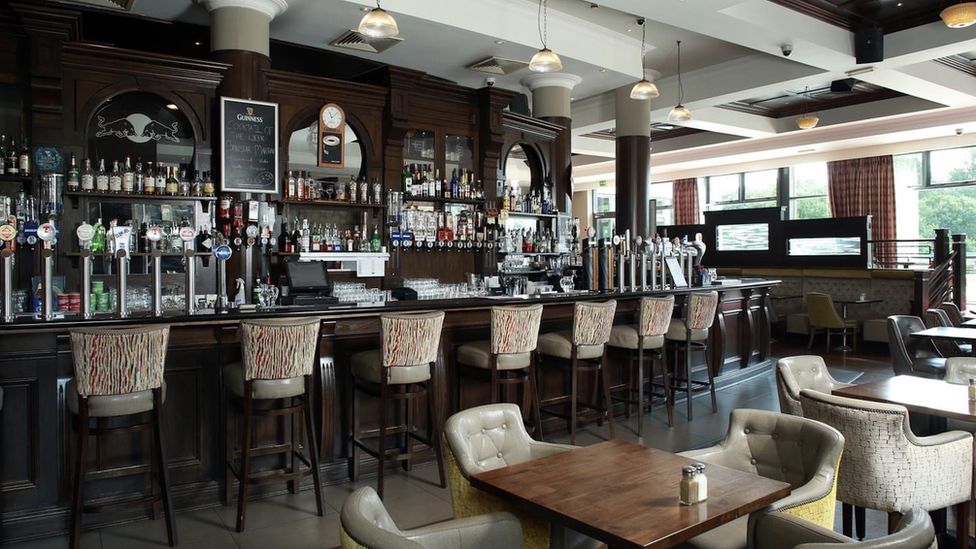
[{"x": 332, "y": 132}]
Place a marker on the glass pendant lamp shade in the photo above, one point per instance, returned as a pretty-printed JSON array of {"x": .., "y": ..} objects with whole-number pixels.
[
  {"x": 545, "y": 60},
  {"x": 644, "y": 90},
  {"x": 679, "y": 114},
  {"x": 959, "y": 15},
  {"x": 807, "y": 121},
  {"x": 377, "y": 23}
]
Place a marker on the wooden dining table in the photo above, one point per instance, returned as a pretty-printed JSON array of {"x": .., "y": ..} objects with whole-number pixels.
[
  {"x": 626, "y": 495},
  {"x": 951, "y": 333},
  {"x": 919, "y": 395}
]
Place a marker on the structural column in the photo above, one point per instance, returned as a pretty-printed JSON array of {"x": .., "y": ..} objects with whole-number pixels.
[
  {"x": 633, "y": 164},
  {"x": 240, "y": 35},
  {"x": 551, "y": 102}
]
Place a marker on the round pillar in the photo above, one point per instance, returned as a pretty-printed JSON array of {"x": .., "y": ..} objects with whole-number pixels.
[
  {"x": 633, "y": 164},
  {"x": 551, "y": 102},
  {"x": 240, "y": 35}
]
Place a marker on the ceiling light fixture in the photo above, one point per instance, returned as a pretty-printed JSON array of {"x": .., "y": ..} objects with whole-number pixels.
[
  {"x": 807, "y": 121},
  {"x": 377, "y": 23},
  {"x": 959, "y": 15},
  {"x": 644, "y": 89},
  {"x": 679, "y": 113},
  {"x": 544, "y": 60}
]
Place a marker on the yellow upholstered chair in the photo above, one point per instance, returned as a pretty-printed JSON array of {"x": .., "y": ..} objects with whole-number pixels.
[{"x": 823, "y": 317}]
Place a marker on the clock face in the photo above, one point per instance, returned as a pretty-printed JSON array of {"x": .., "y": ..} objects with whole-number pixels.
[{"x": 332, "y": 117}]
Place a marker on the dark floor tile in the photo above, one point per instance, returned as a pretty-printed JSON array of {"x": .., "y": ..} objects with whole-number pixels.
[
  {"x": 191, "y": 526},
  {"x": 89, "y": 540},
  {"x": 273, "y": 511},
  {"x": 309, "y": 533}
]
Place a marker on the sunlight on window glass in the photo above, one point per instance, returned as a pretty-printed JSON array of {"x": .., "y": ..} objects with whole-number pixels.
[
  {"x": 953, "y": 165},
  {"x": 808, "y": 179},
  {"x": 723, "y": 188},
  {"x": 761, "y": 184}
]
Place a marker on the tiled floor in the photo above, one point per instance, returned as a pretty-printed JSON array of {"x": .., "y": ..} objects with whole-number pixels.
[{"x": 415, "y": 499}]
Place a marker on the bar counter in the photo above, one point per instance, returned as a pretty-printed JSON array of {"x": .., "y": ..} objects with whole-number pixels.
[{"x": 36, "y": 428}]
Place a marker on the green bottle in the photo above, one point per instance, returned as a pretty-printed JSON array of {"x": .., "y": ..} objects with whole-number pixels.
[
  {"x": 374, "y": 241},
  {"x": 98, "y": 240}
]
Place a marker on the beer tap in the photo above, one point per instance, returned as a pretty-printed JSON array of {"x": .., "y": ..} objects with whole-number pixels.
[
  {"x": 85, "y": 233},
  {"x": 633, "y": 248},
  {"x": 154, "y": 234},
  {"x": 47, "y": 233},
  {"x": 222, "y": 252},
  {"x": 189, "y": 236},
  {"x": 7, "y": 235},
  {"x": 620, "y": 244},
  {"x": 121, "y": 235},
  {"x": 641, "y": 248},
  {"x": 604, "y": 268}
]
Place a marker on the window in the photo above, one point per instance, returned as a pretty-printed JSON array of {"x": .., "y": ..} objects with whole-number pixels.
[
  {"x": 742, "y": 190},
  {"x": 664, "y": 194},
  {"x": 604, "y": 202},
  {"x": 952, "y": 166},
  {"x": 808, "y": 191}
]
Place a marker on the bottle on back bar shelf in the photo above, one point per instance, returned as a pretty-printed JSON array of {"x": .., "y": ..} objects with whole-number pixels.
[
  {"x": 374, "y": 242},
  {"x": 24, "y": 159},
  {"x": 185, "y": 185},
  {"x": 172, "y": 183},
  {"x": 306, "y": 238},
  {"x": 162, "y": 174},
  {"x": 127, "y": 183},
  {"x": 363, "y": 191},
  {"x": 284, "y": 239},
  {"x": 290, "y": 183},
  {"x": 3, "y": 153},
  {"x": 377, "y": 192},
  {"x": 115, "y": 178},
  {"x": 88, "y": 177},
  {"x": 12, "y": 158},
  {"x": 101, "y": 178},
  {"x": 296, "y": 238},
  {"x": 98, "y": 239},
  {"x": 149, "y": 179},
  {"x": 208, "y": 185},
  {"x": 196, "y": 186},
  {"x": 138, "y": 179},
  {"x": 74, "y": 177}
]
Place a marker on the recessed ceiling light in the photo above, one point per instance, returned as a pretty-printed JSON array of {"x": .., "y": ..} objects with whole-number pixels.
[
  {"x": 499, "y": 42},
  {"x": 630, "y": 30},
  {"x": 172, "y": 107},
  {"x": 197, "y": 43}
]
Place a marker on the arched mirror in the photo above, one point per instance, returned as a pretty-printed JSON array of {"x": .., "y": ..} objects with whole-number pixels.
[
  {"x": 302, "y": 148},
  {"x": 523, "y": 169},
  {"x": 144, "y": 127}
]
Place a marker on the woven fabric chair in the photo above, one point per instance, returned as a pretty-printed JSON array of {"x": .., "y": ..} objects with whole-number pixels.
[
  {"x": 782, "y": 447},
  {"x": 795, "y": 373},
  {"x": 691, "y": 334},
  {"x": 365, "y": 524}
]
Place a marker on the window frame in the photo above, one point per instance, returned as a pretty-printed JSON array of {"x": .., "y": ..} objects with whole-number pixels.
[
  {"x": 741, "y": 199},
  {"x": 791, "y": 199}
]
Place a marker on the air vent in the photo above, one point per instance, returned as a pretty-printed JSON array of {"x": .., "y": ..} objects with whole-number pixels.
[
  {"x": 498, "y": 66},
  {"x": 352, "y": 40}
]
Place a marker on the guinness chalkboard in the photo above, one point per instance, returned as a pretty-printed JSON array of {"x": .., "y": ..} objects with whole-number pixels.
[{"x": 248, "y": 146}]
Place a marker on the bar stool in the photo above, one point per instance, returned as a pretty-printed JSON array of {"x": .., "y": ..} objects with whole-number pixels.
[
  {"x": 278, "y": 360},
  {"x": 118, "y": 373},
  {"x": 408, "y": 348},
  {"x": 584, "y": 349},
  {"x": 690, "y": 334},
  {"x": 509, "y": 357},
  {"x": 654, "y": 318}
]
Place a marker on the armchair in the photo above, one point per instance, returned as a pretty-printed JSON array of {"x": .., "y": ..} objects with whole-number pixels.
[
  {"x": 911, "y": 355},
  {"x": 795, "y": 373},
  {"x": 782, "y": 531},
  {"x": 364, "y": 523}
]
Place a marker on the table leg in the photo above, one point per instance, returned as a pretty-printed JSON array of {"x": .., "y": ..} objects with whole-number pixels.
[{"x": 844, "y": 348}]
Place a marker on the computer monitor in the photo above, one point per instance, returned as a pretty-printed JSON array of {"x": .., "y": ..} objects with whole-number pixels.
[{"x": 308, "y": 277}]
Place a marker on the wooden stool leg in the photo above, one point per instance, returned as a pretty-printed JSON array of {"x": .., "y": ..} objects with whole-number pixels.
[
  {"x": 534, "y": 382},
  {"x": 668, "y": 393},
  {"x": 962, "y": 523},
  {"x": 411, "y": 418},
  {"x": 163, "y": 466},
  {"x": 81, "y": 461},
  {"x": 229, "y": 429},
  {"x": 711, "y": 380},
  {"x": 353, "y": 432},
  {"x": 293, "y": 484},
  {"x": 894, "y": 518},
  {"x": 607, "y": 403},
  {"x": 245, "y": 467},
  {"x": 640, "y": 390},
  {"x": 859, "y": 522},
  {"x": 574, "y": 371},
  {"x": 313, "y": 444},
  {"x": 688, "y": 386},
  {"x": 434, "y": 432},
  {"x": 381, "y": 446},
  {"x": 493, "y": 368},
  {"x": 846, "y": 519}
]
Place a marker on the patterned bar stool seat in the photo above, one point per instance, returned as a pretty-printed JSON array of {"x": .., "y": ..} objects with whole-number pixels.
[
  {"x": 583, "y": 349},
  {"x": 690, "y": 334},
  {"x": 654, "y": 318},
  {"x": 118, "y": 373},
  {"x": 409, "y": 346},
  {"x": 509, "y": 356},
  {"x": 278, "y": 361}
]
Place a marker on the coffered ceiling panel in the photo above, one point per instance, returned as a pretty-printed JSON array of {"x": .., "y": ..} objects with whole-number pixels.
[
  {"x": 891, "y": 15},
  {"x": 817, "y": 98}
]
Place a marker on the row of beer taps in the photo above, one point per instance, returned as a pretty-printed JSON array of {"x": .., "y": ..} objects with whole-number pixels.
[{"x": 636, "y": 264}]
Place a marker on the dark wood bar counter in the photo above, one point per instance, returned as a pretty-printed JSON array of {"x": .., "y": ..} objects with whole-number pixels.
[{"x": 36, "y": 432}]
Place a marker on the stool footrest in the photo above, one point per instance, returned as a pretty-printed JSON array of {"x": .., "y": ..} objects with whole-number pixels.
[
  {"x": 102, "y": 507},
  {"x": 127, "y": 471}
]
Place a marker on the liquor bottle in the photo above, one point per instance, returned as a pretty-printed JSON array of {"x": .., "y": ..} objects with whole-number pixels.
[
  {"x": 149, "y": 179},
  {"x": 172, "y": 183},
  {"x": 208, "y": 185},
  {"x": 12, "y": 159},
  {"x": 184, "y": 184},
  {"x": 101, "y": 178},
  {"x": 88, "y": 177},
  {"x": 115, "y": 178},
  {"x": 3, "y": 153},
  {"x": 296, "y": 238},
  {"x": 223, "y": 214},
  {"x": 316, "y": 239},
  {"x": 98, "y": 239},
  {"x": 284, "y": 239},
  {"x": 306, "y": 238},
  {"x": 300, "y": 186},
  {"x": 162, "y": 179},
  {"x": 74, "y": 178},
  {"x": 196, "y": 187},
  {"x": 145, "y": 245},
  {"x": 138, "y": 178},
  {"x": 290, "y": 183},
  {"x": 128, "y": 177},
  {"x": 407, "y": 181},
  {"x": 24, "y": 160},
  {"x": 374, "y": 242},
  {"x": 377, "y": 192},
  {"x": 363, "y": 191}
]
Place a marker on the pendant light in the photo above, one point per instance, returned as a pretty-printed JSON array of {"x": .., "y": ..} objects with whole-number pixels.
[
  {"x": 807, "y": 121},
  {"x": 544, "y": 60},
  {"x": 679, "y": 113},
  {"x": 377, "y": 23},
  {"x": 643, "y": 89},
  {"x": 959, "y": 15}
]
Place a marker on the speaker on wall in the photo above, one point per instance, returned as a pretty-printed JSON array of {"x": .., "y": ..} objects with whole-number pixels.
[
  {"x": 843, "y": 85},
  {"x": 519, "y": 104},
  {"x": 869, "y": 44}
]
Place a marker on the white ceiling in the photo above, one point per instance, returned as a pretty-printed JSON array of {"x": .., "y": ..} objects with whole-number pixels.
[{"x": 730, "y": 51}]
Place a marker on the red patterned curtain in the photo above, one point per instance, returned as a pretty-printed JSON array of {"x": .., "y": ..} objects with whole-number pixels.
[
  {"x": 686, "y": 201},
  {"x": 866, "y": 186}
]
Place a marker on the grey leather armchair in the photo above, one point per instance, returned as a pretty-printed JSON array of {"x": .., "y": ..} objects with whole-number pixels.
[
  {"x": 366, "y": 524},
  {"x": 912, "y": 355},
  {"x": 792, "y": 449},
  {"x": 795, "y": 373},
  {"x": 948, "y": 348},
  {"x": 782, "y": 531}
]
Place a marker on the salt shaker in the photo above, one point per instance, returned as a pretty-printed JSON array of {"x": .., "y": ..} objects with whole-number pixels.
[
  {"x": 972, "y": 389},
  {"x": 689, "y": 485},
  {"x": 702, "y": 482}
]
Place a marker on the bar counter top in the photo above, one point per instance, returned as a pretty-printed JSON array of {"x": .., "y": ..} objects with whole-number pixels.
[{"x": 62, "y": 322}]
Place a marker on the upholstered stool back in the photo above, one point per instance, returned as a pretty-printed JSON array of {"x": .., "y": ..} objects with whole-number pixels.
[
  {"x": 279, "y": 348},
  {"x": 655, "y": 315},
  {"x": 118, "y": 361},
  {"x": 410, "y": 339},
  {"x": 515, "y": 329},
  {"x": 955, "y": 315},
  {"x": 700, "y": 311},
  {"x": 592, "y": 322}
]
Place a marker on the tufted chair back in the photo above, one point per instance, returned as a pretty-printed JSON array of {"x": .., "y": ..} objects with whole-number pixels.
[
  {"x": 700, "y": 310},
  {"x": 903, "y": 347},
  {"x": 655, "y": 315},
  {"x": 279, "y": 348},
  {"x": 795, "y": 373},
  {"x": 365, "y": 523},
  {"x": 781, "y": 531},
  {"x": 592, "y": 322},
  {"x": 959, "y": 370},
  {"x": 410, "y": 339},
  {"x": 515, "y": 329},
  {"x": 488, "y": 437},
  {"x": 822, "y": 313},
  {"x": 955, "y": 315},
  {"x": 118, "y": 361},
  {"x": 886, "y": 467}
]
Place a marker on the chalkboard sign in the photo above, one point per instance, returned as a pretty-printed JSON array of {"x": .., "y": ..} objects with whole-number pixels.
[{"x": 248, "y": 146}]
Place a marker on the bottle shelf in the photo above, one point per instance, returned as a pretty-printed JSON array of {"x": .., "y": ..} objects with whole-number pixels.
[
  {"x": 442, "y": 200},
  {"x": 332, "y": 204},
  {"x": 138, "y": 254},
  {"x": 16, "y": 178},
  {"x": 530, "y": 214}
]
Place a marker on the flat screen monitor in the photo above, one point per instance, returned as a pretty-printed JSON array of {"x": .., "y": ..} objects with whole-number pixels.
[
  {"x": 742, "y": 237},
  {"x": 308, "y": 276}
]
